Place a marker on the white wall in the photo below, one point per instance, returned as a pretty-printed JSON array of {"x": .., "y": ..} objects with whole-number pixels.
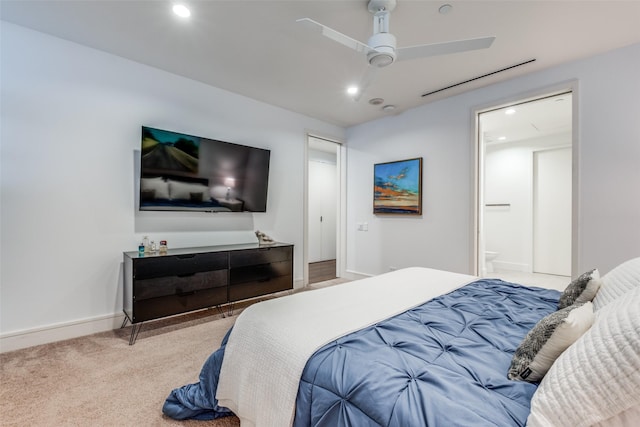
[
  {"x": 509, "y": 180},
  {"x": 71, "y": 119},
  {"x": 442, "y": 132}
]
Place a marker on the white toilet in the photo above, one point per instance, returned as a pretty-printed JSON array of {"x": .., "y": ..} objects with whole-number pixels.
[{"x": 489, "y": 256}]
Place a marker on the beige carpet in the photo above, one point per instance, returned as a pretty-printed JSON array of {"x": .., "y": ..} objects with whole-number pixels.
[{"x": 100, "y": 380}]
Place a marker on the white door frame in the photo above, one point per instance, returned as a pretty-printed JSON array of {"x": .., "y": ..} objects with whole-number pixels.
[
  {"x": 341, "y": 242},
  {"x": 478, "y": 150}
]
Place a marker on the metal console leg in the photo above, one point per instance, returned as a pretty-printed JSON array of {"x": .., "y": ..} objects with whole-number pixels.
[
  {"x": 135, "y": 330},
  {"x": 221, "y": 311}
]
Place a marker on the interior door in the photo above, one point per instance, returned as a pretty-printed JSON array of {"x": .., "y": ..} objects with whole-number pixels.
[
  {"x": 322, "y": 211},
  {"x": 552, "y": 212}
]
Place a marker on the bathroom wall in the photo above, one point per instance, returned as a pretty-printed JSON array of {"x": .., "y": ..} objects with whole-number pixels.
[{"x": 509, "y": 175}]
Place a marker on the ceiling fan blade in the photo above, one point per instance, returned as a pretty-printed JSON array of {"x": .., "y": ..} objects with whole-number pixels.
[
  {"x": 426, "y": 50},
  {"x": 365, "y": 81},
  {"x": 335, "y": 35}
]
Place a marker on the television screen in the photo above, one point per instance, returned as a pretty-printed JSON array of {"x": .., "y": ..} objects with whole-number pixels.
[{"x": 180, "y": 172}]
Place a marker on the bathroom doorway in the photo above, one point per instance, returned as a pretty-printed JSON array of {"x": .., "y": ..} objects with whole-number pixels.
[{"x": 525, "y": 182}]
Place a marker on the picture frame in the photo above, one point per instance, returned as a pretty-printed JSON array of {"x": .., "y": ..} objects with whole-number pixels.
[{"x": 397, "y": 187}]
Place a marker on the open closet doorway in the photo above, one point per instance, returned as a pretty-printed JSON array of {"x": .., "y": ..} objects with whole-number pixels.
[
  {"x": 323, "y": 209},
  {"x": 525, "y": 191}
]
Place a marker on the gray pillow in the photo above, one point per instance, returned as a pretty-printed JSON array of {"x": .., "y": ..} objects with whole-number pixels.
[
  {"x": 582, "y": 289},
  {"x": 552, "y": 335}
]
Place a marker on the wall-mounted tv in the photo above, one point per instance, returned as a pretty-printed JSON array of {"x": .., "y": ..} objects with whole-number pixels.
[{"x": 180, "y": 172}]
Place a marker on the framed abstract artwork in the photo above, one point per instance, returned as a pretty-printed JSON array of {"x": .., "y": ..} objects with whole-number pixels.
[{"x": 397, "y": 187}]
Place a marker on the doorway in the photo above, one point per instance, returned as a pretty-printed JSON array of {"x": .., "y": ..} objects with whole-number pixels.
[
  {"x": 323, "y": 212},
  {"x": 525, "y": 191}
]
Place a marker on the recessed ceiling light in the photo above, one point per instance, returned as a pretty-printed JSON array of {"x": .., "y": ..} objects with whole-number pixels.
[
  {"x": 445, "y": 8},
  {"x": 510, "y": 111},
  {"x": 388, "y": 108},
  {"x": 376, "y": 101},
  {"x": 181, "y": 10},
  {"x": 352, "y": 90}
]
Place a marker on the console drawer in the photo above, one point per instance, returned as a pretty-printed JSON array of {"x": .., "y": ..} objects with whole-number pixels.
[
  {"x": 154, "y": 308},
  {"x": 259, "y": 273},
  {"x": 178, "y": 265},
  {"x": 177, "y": 285},
  {"x": 260, "y": 256},
  {"x": 257, "y": 288}
]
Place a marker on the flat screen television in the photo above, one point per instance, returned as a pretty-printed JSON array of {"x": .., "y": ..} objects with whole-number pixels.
[{"x": 180, "y": 172}]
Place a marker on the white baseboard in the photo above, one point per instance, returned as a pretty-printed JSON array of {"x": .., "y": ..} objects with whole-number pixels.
[
  {"x": 58, "y": 332},
  {"x": 511, "y": 266},
  {"x": 63, "y": 331},
  {"x": 355, "y": 275}
]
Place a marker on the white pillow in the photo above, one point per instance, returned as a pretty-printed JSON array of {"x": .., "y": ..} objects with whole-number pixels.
[
  {"x": 630, "y": 417},
  {"x": 597, "y": 378},
  {"x": 184, "y": 190},
  {"x": 552, "y": 335},
  {"x": 617, "y": 282},
  {"x": 159, "y": 187},
  {"x": 582, "y": 289}
]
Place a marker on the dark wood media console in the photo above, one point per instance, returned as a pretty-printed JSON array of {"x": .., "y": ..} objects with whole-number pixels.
[{"x": 182, "y": 280}]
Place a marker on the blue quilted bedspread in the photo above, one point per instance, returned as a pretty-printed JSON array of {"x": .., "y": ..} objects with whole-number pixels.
[
  {"x": 197, "y": 401},
  {"x": 443, "y": 363}
]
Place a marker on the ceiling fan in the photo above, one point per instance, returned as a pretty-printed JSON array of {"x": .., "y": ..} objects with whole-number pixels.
[{"x": 381, "y": 49}]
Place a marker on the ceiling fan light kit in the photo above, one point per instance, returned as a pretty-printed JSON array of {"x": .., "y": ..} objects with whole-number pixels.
[{"x": 385, "y": 50}]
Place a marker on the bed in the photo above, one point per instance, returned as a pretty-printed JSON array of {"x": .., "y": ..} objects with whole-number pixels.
[{"x": 426, "y": 347}]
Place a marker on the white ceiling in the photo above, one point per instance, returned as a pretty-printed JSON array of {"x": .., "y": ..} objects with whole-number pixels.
[
  {"x": 529, "y": 120},
  {"x": 255, "y": 48}
]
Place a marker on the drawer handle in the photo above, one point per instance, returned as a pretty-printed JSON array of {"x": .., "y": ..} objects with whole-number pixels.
[{"x": 186, "y": 256}]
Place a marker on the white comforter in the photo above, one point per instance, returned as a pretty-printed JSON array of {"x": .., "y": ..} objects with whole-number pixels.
[{"x": 272, "y": 341}]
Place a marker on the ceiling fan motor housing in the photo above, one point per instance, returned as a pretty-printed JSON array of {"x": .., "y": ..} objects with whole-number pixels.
[{"x": 384, "y": 49}]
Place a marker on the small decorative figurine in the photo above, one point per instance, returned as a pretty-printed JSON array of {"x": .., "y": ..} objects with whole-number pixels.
[{"x": 263, "y": 239}]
